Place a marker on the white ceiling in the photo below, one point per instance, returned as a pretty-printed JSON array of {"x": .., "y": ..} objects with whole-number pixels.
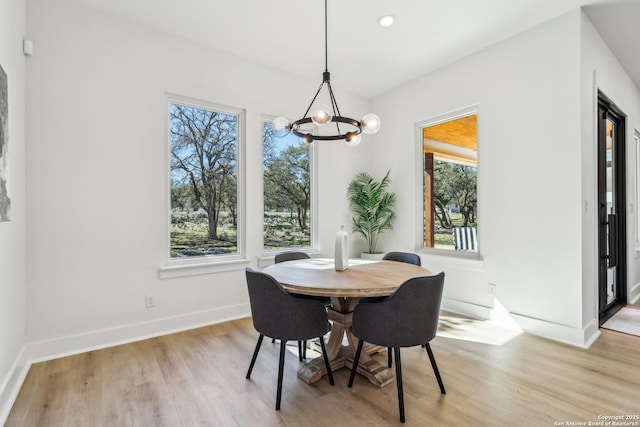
[{"x": 368, "y": 59}]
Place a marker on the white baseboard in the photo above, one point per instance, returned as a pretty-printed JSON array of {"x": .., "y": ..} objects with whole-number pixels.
[
  {"x": 496, "y": 313},
  {"x": 582, "y": 338},
  {"x": 10, "y": 386},
  {"x": 591, "y": 333},
  {"x": 94, "y": 340},
  {"x": 634, "y": 295},
  {"x": 65, "y": 346},
  {"x": 468, "y": 309},
  {"x": 579, "y": 337}
]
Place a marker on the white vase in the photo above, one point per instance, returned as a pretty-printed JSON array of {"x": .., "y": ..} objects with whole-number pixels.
[{"x": 341, "y": 253}]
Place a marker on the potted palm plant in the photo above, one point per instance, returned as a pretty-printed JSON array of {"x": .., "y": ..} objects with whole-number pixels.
[{"x": 373, "y": 207}]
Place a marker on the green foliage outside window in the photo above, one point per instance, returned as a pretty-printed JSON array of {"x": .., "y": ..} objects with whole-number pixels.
[
  {"x": 203, "y": 160},
  {"x": 287, "y": 191},
  {"x": 456, "y": 199}
]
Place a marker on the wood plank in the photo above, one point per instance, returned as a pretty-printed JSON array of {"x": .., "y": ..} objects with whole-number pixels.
[
  {"x": 461, "y": 132},
  {"x": 527, "y": 380}
]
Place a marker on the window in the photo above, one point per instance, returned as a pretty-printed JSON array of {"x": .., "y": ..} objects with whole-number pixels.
[
  {"x": 288, "y": 191},
  {"x": 204, "y": 152},
  {"x": 449, "y": 148}
]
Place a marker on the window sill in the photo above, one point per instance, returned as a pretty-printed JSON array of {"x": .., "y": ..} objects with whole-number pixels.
[
  {"x": 457, "y": 255},
  {"x": 194, "y": 267},
  {"x": 268, "y": 258}
]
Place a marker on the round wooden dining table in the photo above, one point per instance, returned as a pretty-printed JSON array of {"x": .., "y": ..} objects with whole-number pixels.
[{"x": 363, "y": 278}]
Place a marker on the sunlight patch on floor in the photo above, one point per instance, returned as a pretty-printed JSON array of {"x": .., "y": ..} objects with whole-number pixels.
[
  {"x": 481, "y": 331},
  {"x": 313, "y": 349}
]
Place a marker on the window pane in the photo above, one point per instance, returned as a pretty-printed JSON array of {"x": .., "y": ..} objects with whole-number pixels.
[
  {"x": 450, "y": 185},
  {"x": 204, "y": 190},
  {"x": 287, "y": 191}
]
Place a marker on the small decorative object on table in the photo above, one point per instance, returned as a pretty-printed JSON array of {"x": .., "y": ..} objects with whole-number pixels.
[{"x": 342, "y": 250}]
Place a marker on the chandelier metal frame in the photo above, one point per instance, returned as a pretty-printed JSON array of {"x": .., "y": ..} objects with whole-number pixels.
[{"x": 351, "y": 135}]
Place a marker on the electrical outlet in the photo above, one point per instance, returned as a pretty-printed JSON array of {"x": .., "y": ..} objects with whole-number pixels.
[
  {"x": 492, "y": 289},
  {"x": 150, "y": 300}
]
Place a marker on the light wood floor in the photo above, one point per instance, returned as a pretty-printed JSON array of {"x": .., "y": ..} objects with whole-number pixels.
[{"x": 197, "y": 378}]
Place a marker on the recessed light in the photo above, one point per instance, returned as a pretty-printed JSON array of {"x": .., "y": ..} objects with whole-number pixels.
[{"x": 386, "y": 20}]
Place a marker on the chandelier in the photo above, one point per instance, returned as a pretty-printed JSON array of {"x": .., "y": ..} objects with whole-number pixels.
[{"x": 322, "y": 114}]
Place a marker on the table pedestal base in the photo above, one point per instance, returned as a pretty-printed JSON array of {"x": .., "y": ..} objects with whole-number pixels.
[
  {"x": 340, "y": 355},
  {"x": 371, "y": 369}
]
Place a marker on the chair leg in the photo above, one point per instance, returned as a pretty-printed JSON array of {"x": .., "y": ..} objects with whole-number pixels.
[
  {"x": 399, "y": 383},
  {"x": 300, "y": 351},
  {"x": 283, "y": 344},
  {"x": 435, "y": 368},
  {"x": 389, "y": 357},
  {"x": 326, "y": 360},
  {"x": 354, "y": 368},
  {"x": 255, "y": 356},
  {"x": 304, "y": 349}
]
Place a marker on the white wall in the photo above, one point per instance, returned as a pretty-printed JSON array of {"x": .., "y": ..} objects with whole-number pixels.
[
  {"x": 529, "y": 175},
  {"x": 97, "y": 175},
  {"x": 12, "y": 234},
  {"x": 98, "y": 193},
  {"x": 600, "y": 70}
]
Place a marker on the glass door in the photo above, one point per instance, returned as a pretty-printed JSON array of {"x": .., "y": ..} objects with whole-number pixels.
[{"x": 611, "y": 189}]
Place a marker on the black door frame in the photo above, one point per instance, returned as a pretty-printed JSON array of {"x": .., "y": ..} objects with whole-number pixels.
[{"x": 618, "y": 253}]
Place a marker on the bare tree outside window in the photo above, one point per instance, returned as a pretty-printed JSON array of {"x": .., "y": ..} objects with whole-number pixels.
[
  {"x": 204, "y": 189},
  {"x": 287, "y": 191},
  {"x": 455, "y": 192}
]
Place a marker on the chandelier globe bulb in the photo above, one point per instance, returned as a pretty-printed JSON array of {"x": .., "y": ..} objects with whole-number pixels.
[
  {"x": 281, "y": 127},
  {"x": 320, "y": 114},
  {"x": 352, "y": 139},
  {"x": 370, "y": 124}
]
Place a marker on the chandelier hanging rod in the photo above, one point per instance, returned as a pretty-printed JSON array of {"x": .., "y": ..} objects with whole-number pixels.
[{"x": 323, "y": 114}]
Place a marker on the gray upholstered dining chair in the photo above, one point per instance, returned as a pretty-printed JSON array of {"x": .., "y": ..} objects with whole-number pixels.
[
  {"x": 407, "y": 318},
  {"x": 292, "y": 256},
  {"x": 278, "y": 314},
  {"x": 409, "y": 258}
]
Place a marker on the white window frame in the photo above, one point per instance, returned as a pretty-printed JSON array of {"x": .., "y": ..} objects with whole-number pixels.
[
  {"x": 636, "y": 137},
  {"x": 269, "y": 254},
  {"x": 190, "y": 266},
  {"x": 419, "y": 195}
]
